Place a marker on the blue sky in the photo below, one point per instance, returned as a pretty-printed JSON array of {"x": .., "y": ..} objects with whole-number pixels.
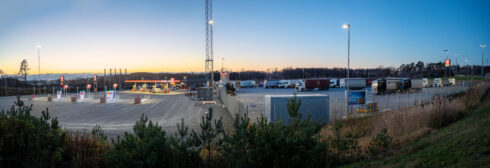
[{"x": 90, "y": 35}]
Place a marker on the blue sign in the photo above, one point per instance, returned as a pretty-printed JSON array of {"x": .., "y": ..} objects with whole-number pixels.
[{"x": 357, "y": 97}]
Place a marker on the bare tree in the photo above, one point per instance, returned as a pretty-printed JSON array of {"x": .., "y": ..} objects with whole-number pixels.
[{"x": 24, "y": 68}]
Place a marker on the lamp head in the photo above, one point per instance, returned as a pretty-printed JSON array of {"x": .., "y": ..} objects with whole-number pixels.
[{"x": 346, "y": 26}]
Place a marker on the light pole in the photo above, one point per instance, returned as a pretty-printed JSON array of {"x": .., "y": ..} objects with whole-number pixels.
[
  {"x": 482, "y": 46},
  {"x": 347, "y": 26},
  {"x": 39, "y": 65},
  {"x": 467, "y": 68},
  {"x": 456, "y": 65},
  {"x": 445, "y": 68}
]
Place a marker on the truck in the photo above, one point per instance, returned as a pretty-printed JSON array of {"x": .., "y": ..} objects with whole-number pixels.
[
  {"x": 384, "y": 86},
  {"x": 425, "y": 82},
  {"x": 416, "y": 84},
  {"x": 247, "y": 84},
  {"x": 284, "y": 83},
  {"x": 437, "y": 82},
  {"x": 411, "y": 84},
  {"x": 271, "y": 83},
  {"x": 353, "y": 83},
  {"x": 334, "y": 83},
  {"x": 313, "y": 84},
  {"x": 451, "y": 81}
]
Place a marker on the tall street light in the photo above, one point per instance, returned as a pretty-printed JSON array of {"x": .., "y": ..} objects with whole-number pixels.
[
  {"x": 482, "y": 46},
  {"x": 39, "y": 63},
  {"x": 347, "y": 26},
  {"x": 445, "y": 68}
]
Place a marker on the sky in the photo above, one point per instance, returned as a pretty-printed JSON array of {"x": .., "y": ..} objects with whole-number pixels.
[{"x": 86, "y": 36}]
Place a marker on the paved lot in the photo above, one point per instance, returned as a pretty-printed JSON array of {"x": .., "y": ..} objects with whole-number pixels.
[
  {"x": 119, "y": 116},
  {"x": 254, "y": 98}
]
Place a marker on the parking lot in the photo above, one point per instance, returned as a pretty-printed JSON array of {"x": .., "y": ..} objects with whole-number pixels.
[
  {"x": 118, "y": 116},
  {"x": 252, "y": 100}
]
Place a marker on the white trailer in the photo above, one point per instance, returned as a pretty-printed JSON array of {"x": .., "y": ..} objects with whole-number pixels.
[
  {"x": 353, "y": 83},
  {"x": 247, "y": 84},
  {"x": 416, "y": 84}
]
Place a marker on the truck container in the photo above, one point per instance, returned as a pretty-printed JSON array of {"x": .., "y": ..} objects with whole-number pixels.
[
  {"x": 247, "y": 84},
  {"x": 313, "y": 84},
  {"x": 315, "y": 106},
  {"x": 369, "y": 81},
  {"x": 416, "y": 84},
  {"x": 353, "y": 83},
  {"x": 271, "y": 83}
]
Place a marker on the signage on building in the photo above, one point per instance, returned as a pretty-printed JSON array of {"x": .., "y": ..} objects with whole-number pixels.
[{"x": 447, "y": 63}]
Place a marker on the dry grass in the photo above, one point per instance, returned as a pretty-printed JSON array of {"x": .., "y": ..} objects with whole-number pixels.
[
  {"x": 411, "y": 123},
  {"x": 84, "y": 150}
]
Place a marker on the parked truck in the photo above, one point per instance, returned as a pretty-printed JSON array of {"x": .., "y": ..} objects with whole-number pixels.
[
  {"x": 334, "y": 83},
  {"x": 313, "y": 84},
  {"x": 411, "y": 84},
  {"x": 425, "y": 82},
  {"x": 247, "y": 84},
  {"x": 384, "y": 86},
  {"x": 284, "y": 83},
  {"x": 271, "y": 83},
  {"x": 437, "y": 82},
  {"x": 353, "y": 83}
]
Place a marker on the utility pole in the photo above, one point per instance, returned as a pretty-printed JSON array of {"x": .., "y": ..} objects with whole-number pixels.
[
  {"x": 482, "y": 46},
  {"x": 39, "y": 63},
  {"x": 445, "y": 68}
]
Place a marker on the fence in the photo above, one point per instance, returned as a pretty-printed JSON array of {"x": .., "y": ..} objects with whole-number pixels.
[
  {"x": 394, "y": 101},
  {"x": 255, "y": 108}
]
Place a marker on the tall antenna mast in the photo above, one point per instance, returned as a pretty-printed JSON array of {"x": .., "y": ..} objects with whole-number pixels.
[{"x": 209, "y": 43}]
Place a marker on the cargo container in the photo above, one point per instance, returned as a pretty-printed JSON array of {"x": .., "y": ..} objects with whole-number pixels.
[
  {"x": 353, "y": 83},
  {"x": 271, "y": 83},
  {"x": 314, "y": 105},
  {"x": 247, "y": 84},
  {"x": 369, "y": 81},
  {"x": 416, "y": 84},
  {"x": 313, "y": 84}
]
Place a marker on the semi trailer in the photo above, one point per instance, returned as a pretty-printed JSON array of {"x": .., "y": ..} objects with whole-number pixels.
[
  {"x": 353, "y": 83},
  {"x": 271, "y": 83},
  {"x": 313, "y": 84},
  {"x": 384, "y": 86}
]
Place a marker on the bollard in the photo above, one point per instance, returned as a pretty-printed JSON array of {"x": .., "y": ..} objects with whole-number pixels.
[{"x": 137, "y": 99}]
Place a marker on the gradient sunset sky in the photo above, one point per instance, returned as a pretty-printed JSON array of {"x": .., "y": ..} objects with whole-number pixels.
[{"x": 168, "y": 35}]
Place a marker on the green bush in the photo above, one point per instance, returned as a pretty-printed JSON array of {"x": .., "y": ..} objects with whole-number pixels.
[
  {"x": 380, "y": 143},
  {"x": 275, "y": 144},
  {"x": 28, "y": 141},
  {"x": 150, "y": 146}
]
